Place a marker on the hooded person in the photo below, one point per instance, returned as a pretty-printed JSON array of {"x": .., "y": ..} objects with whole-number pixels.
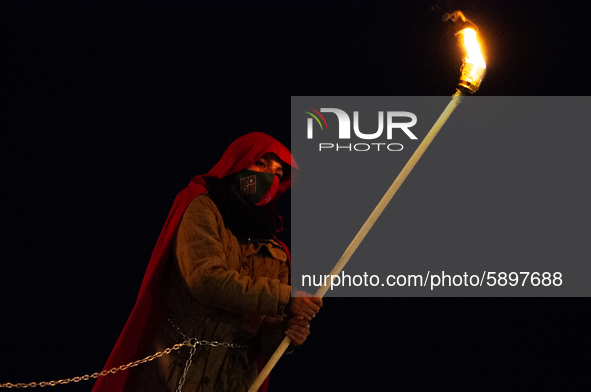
[{"x": 218, "y": 276}]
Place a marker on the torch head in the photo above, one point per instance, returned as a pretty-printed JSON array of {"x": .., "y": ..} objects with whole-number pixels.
[
  {"x": 474, "y": 67},
  {"x": 471, "y": 77}
]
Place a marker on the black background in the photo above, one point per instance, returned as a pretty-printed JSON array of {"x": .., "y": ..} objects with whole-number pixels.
[{"x": 110, "y": 108}]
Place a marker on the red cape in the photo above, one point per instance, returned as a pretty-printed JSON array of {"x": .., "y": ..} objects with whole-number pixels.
[{"x": 146, "y": 313}]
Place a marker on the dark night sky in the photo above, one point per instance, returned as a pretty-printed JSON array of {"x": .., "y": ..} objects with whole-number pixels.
[{"x": 110, "y": 108}]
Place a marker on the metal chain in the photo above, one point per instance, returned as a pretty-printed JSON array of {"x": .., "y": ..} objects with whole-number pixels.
[
  {"x": 103, "y": 373},
  {"x": 212, "y": 343},
  {"x": 191, "y": 342},
  {"x": 187, "y": 365}
]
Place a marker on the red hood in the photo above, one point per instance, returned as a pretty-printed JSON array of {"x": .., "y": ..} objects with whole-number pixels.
[
  {"x": 146, "y": 314},
  {"x": 248, "y": 149},
  {"x": 245, "y": 151}
]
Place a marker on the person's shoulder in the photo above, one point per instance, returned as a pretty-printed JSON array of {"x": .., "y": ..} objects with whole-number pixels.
[
  {"x": 202, "y": 198},
  {"x": 200, "y": 201},
  {"x": 202, "y": 204}
]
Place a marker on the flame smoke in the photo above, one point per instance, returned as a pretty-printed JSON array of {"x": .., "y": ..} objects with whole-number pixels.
[{"x": 459, "y": 18}]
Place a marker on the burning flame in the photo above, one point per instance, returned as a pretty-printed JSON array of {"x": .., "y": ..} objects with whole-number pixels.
[
  {"x": 474, "y": 55},
  {"x": 474, "y": 67}
]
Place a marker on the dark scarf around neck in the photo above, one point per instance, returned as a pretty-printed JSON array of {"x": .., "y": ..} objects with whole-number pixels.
[{"x": 247, "y": 222}]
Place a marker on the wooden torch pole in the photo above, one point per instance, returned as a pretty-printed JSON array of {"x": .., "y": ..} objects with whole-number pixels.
[{"x": 456, "y": 99}]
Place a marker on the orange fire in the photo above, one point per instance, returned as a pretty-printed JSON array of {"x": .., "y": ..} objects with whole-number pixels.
[
  {"x": 474, "y": 55},
  {"x": 474, "y": 67}
]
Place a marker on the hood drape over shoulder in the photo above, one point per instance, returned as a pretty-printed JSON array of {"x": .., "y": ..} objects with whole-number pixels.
[{"x": 147, "y": 311}]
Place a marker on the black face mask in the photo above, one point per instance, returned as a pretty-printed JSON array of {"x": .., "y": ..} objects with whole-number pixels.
[{"x": 257, "y": 188}]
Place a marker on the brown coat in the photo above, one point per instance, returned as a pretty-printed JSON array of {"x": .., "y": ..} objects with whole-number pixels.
[{"x": 219, "y": 290}]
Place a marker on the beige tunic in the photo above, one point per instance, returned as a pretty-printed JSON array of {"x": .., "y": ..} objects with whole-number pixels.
[{"x": 220, "y": 290}]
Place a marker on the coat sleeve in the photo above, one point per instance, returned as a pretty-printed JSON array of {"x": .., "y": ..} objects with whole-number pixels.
[
  {"x": 273, "y": 329},
  {"x": 205, "y": 267}
]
